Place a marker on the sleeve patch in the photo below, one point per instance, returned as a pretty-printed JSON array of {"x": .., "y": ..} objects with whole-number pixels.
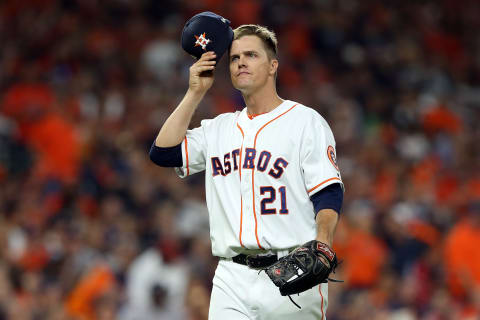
[{"x": 332, "y": 157}]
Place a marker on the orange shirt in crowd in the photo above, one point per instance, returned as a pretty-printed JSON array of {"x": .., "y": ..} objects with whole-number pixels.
[
  {"x": 51, "y": 137},
  {"x": 384, "y": 187},
  {"x": 57, "y": 147},
  {"x": 94, "y": 284},
  {"x": 24, "y": 98},
  {"x": 424, "y": 232},
  {"x": 462, "y": 257},
  {"x": 440, "y": 118},
  {"x": 361, "y": 249}
]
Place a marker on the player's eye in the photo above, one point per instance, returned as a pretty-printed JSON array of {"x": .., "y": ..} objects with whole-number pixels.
[
  {"x": 233, "y": 58},
  {"x": 252, "y": 54}
]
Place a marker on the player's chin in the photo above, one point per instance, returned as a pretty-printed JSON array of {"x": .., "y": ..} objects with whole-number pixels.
[{"x": 241, "y": 85}]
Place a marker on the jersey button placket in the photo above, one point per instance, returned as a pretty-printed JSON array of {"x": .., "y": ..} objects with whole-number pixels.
[{"x": 246, "y": 186}]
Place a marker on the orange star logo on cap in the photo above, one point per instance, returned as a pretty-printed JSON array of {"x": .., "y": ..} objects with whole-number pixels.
[{"x": 202, "y": 41}]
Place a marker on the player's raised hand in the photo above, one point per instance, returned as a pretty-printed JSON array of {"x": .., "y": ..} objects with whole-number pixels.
[{"x": 201, "y": 73}]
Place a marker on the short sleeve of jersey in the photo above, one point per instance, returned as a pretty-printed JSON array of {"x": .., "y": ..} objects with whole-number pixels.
[
  {"x": 194, "y": 149},
  {"x": 318, "y": 155}
]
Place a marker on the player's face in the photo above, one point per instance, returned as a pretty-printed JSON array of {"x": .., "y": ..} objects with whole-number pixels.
[{"x": 250, "y": 67}]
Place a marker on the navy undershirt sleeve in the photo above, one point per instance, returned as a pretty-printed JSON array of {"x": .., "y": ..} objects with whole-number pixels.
[
  {"x": 330, "y": 197},
  {"x": 167, "y": 157}
]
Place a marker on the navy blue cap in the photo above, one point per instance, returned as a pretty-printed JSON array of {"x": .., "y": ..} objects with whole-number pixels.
[{"x": 207, "y": 31}]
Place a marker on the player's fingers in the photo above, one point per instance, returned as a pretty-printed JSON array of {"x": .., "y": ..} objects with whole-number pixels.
[
  {"x": 209, "y": 55},
  {"x": 200, "y": 69},
  {"x": 205, "y": 63}
]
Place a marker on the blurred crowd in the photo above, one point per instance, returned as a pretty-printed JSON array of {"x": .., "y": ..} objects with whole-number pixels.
[{"x": 91, "y": 229}]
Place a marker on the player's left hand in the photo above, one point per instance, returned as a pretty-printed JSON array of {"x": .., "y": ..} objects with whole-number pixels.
[{"x": 304, "y": 268}]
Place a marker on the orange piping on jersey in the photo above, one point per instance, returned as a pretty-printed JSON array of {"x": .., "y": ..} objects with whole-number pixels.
[
  {"x": 255, "y": 143},
  {"x": 321, "y": 295},
  {"x": 241, "y": 198},
  {"x": 254, "y": 214},
  {"x": 253, "y": 173},
  {"x": 318, "y": 185},
  {"x": 251, "y": 116},
  {"x": 186, "y": 155}
]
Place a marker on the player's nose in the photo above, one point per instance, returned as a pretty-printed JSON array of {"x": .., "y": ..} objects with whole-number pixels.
[
  {"x": 242, "y": 61},
  {"x": 242, "y": 66}
]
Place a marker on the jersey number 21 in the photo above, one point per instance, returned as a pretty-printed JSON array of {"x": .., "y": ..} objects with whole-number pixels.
[{"x": 271, "y": 195}]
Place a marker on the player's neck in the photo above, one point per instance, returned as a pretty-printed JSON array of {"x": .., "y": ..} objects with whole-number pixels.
[{"x": 262, "y": 102}]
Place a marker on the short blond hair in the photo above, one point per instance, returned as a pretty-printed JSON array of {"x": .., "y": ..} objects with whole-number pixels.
[{"x": 267, "y": 36}]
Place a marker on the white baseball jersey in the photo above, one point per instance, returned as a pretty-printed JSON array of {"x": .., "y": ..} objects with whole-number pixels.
[{"x": 259, "y": 175}]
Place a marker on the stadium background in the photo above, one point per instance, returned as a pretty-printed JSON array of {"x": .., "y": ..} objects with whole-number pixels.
[{"x": 91, "y": 229}]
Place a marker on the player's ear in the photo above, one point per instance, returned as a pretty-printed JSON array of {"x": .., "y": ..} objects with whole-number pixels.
[{"x": 273, "y": 66}]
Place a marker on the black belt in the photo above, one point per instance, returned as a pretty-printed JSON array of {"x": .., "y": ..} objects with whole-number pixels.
[{"x": 258, "y": 261}]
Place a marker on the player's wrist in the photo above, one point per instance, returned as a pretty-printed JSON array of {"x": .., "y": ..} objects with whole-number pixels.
[
  {"x": 325, "y": 240},
  {"x": 193, "y": 97},
  {"x": 195, "y": 93}
]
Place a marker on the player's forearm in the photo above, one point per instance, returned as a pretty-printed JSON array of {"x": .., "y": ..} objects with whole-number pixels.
[
  {"x": 326, "y": 223},
  {"x": 175, "y": 127}
]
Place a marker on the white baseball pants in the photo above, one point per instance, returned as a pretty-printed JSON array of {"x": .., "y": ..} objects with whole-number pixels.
[{"x": 241, "y": 293}]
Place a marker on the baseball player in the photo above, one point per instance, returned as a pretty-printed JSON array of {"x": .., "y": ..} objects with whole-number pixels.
[{"x": 273, "y": 187}]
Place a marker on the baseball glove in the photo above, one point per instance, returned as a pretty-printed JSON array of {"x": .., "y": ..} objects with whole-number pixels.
[{"x": 304, "y": 268}]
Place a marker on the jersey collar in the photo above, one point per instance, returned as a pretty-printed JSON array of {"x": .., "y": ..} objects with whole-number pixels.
[{"x": 258, "y": 120}]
